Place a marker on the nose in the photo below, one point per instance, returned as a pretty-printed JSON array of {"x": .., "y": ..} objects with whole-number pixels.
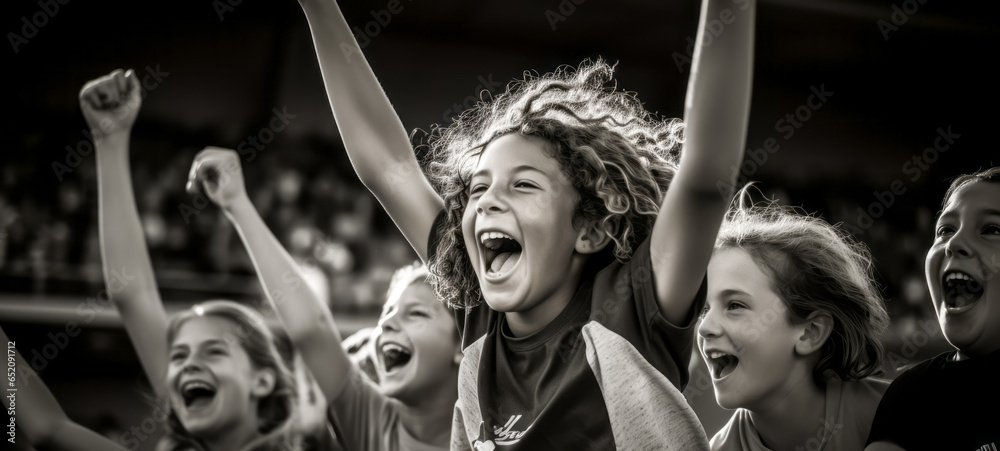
[
  {"x": 709, "y": 325},
  {"x": 958, "y": 244},
  {"x": 491, "y": 201},
  {"x": 191, "y": 365},
  {"x": 390, "y": 321}
]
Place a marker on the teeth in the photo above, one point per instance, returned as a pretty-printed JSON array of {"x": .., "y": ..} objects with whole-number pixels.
[
  {"x": 958, "y": 275},
  {"x": 493, "y": 235},
  {"x": 716, "y": 354},
  {"x": 196, "y": 384},
  {"x": 389, "y": 347}
]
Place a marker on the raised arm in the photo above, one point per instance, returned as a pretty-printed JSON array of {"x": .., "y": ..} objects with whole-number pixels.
[
  {"x": 715, "y": 116},
  {"x": 41, "y": 418},
  {"x": 217, "y": 173},
  {"x": 376, "y": 141},
  {"x": 110, "y": 105}
]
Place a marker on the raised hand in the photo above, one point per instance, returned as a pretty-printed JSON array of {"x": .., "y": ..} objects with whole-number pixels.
[
  {"x": 216, "y": 173},
  {"x": 111, "y": 103}
]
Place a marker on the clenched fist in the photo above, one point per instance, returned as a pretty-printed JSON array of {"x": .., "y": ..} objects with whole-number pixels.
[
  {"x": 216, "y": 172},
  {"x": 111, "y": 103}
]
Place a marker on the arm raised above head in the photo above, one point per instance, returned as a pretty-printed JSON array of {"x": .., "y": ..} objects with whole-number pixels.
[
  {"x": 110, "y": 105},
  {"x": 716, "y": 112},
  {"x": 373, "y": 134},
  {"x": 306, "y": 318}
]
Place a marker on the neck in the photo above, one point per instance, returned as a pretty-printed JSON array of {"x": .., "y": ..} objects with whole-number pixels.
[
  {"x": 234, "y": 438},
  {"x": 429, "y": 418},
  {"x": 534, "y": 319},
  {"x": 793, "y": 417}
]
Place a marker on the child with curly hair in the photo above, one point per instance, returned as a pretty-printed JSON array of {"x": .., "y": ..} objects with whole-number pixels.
[
  {"x": 554, "y": 210},
  {"x": 790, "y": 333},
  {"x": 950, "y": 401}
]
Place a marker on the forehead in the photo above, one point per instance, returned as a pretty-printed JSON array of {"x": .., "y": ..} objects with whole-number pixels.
[
  {"x": 734, "y": 269},
  {"x": 513, "y": 151},
  {"x": 417, "y": 293},
  {"x": 200, "y": 329},
  {"x": 976, "y": 196}
]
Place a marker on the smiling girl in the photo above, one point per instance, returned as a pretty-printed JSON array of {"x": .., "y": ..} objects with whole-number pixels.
[
  {"x": 950, "y": 401},
  {"x": 790, "y": 333},
  {"x": 576, "y": 271},
  {"x": 416, "y": 345},
  {"x": 223, "y": 382}
]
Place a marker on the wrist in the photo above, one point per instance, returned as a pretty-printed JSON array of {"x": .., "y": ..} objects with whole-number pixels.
[
  {"x": 239, "y": 208},
  {"x": 115, "y": 139}
]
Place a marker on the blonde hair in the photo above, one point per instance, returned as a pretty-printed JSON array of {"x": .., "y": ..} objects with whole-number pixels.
[
  {"x": 814, "y": 266},
  {"x": 277, "y": 409},
  {"x": 619, "y": 157}
]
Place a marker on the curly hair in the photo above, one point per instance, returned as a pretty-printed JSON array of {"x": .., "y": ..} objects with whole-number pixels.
[
  {"x": 619, "y": 157},
  {"x": 814, "y": 266},
  {"x": 991, "y": 175},
  {"x": 277, "y": 410}
]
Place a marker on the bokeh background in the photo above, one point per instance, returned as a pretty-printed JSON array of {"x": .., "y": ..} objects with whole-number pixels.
[{"x": 899, "y": 73}]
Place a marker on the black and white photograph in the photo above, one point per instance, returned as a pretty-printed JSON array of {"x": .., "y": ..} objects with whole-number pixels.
[{"x": 388, "y": 225}]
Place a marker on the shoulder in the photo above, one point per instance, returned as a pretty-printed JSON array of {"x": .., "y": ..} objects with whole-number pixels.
[
  {"x": 728, "y": 438},
  {"x": 919, "y": 372},
  {"x": 867, "y": 388}
]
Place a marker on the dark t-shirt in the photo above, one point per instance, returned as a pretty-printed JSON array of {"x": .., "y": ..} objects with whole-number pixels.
[
  {"x": 940, "y": 404},
  {"x": 606, "y": 373}
]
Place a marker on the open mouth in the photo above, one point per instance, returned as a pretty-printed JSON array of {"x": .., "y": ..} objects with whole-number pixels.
[
  {"x": 197, "y": 394},
  {"x": 960, "y": 289},
  {"x": 394, "y": 356},
  {"x": 501, "y": 252},
  {"x": 721, "y": 364}
]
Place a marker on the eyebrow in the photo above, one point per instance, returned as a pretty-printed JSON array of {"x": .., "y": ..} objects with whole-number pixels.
[
  {"x": 213, "y": 342},
  {"x": 732, "y": 291},
  {"x": 985, "y": 211},
  {"x": 521, "y": 168},
  {"x": 204, "y": 344}
]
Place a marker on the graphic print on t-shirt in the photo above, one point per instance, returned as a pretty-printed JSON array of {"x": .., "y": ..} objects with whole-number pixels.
[{"x": 502, "y": 435}]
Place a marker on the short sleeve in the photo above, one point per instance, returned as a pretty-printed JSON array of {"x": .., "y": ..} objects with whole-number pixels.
[
  {"x": 360, "y": 413},
  {"x": 625, "y": 302},
  {"x": 892, "y": 422}
]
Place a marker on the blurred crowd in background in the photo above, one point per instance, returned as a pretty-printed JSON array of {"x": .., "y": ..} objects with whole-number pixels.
[{"x": 329, "y": 222}]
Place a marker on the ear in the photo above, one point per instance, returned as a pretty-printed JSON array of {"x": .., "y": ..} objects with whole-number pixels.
[
  {"x": 263, "y": 383},
  {"x": 815, "y": 331},
  {"x": 591, "y": 239}
]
